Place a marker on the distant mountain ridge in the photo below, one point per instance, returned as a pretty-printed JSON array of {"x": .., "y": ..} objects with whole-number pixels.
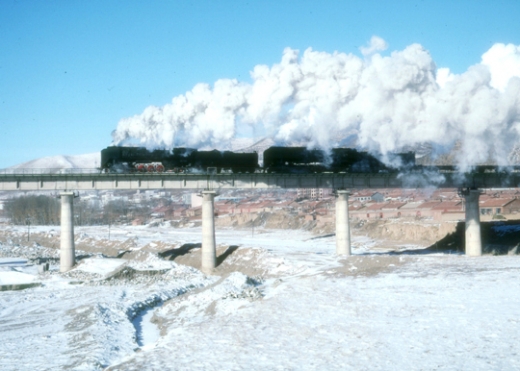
[{"x": 86, "y": 161}]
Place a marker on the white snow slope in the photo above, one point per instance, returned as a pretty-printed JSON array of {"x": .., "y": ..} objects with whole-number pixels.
[
  {"x": 86, "y": 161},
  {"x": 310, "y": 311}
]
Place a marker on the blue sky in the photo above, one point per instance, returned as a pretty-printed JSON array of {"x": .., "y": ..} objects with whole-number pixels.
[{"x": 71, "y": 69}]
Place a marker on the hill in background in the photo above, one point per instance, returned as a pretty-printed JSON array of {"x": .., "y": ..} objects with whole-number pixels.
[{"x": 86, "y": 161}]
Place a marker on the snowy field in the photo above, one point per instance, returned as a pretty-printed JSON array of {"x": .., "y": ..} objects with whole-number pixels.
[{"x": 280, "y": 300}]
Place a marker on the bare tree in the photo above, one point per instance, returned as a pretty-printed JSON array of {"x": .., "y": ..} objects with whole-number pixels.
[{"x": 40, "y": 209}]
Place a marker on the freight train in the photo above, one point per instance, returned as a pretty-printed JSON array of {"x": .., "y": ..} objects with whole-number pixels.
[{"x": 275, "y": 160}]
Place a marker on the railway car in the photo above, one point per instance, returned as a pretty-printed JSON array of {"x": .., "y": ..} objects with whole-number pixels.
[
  {"x": 225, "y": 160},
  {"x": 352, "y": 161},
  {"x": 241, "y": 162},
  {"x": 294, "y": 160}
]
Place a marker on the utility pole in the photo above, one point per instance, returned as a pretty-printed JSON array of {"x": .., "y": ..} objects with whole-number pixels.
[{"x": 28, "y": 222}]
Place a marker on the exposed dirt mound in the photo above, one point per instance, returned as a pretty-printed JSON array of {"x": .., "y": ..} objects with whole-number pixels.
[
  {"x": 405, "y": 231},
  {"x": 230, "y": 258},
  {"x": 498, "y": 238},
  {"x": 268, "y": 220}
]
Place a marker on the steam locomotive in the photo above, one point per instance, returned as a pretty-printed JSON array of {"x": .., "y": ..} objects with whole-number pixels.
[
  {"x": 275, "y": 160},
  {"x": 177, "y": 160},
  {"x": 304, "y": 160}
]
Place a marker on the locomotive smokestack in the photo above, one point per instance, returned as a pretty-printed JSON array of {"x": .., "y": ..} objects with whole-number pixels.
[{"x": 319, "y": 98}]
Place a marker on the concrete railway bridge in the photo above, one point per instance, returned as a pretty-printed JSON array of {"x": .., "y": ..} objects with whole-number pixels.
[{"x": 67, "y": 182}]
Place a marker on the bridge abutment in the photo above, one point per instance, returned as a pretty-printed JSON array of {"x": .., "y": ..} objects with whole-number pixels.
[
  {"x": 473, "y": 235},
  {"x": 342, "y": 224},
  {"x": 208, "y": 254},
  {"x": 67, "y": 253}
]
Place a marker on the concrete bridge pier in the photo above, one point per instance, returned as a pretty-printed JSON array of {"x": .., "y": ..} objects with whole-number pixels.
[
  {"x": 342, "y": 224},
  {"x": 473, "y": 237},
  {"x": 67, "y": 253},
  {"x": 209, "y": 253}
]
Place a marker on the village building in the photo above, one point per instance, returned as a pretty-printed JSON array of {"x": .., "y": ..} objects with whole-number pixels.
[
  {"x": 491, "y": 207},
  {"x": 400, "y": 195},
  {"x": 512, "y": 208},
  {"x": 382, "y": 210},
  {"x": 194, "y": 212},
  {"x": 366, "y": 197},
  {"x": 314, "y": 193}
]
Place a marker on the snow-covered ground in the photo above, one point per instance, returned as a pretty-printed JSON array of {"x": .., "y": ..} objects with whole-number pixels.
[{"x": 281, "y": 300}]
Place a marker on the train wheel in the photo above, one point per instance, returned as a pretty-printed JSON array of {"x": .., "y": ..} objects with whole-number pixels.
[
  {"x": 159, "y": 168},
  {"x": 150, "y": 168}
]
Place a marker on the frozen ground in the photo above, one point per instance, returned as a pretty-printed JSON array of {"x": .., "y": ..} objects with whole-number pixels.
[{"x": 280, "y": 300}]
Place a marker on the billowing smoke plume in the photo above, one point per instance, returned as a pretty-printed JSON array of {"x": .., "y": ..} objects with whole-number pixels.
[{"x": 318, "y": 98}]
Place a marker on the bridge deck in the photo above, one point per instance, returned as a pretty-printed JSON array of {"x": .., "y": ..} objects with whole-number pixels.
[{"x": 28, "y": 181}]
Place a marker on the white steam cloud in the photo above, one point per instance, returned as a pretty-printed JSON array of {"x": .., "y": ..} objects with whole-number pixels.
[
  {"x": 376, "y": 44},
  {"x": 320, "y": 99}
]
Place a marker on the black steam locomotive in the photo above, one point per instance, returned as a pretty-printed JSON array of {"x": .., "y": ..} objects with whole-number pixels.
[
  {"x": 177, "y": 160},
  {"x": 304, "y": 160},
  {"x": 275, "y": 160}
]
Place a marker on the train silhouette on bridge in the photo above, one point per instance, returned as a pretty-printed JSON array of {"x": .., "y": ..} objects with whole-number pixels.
[
  {"x": 292, "y": 160},
  {"x": 282, "y": 160}
]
